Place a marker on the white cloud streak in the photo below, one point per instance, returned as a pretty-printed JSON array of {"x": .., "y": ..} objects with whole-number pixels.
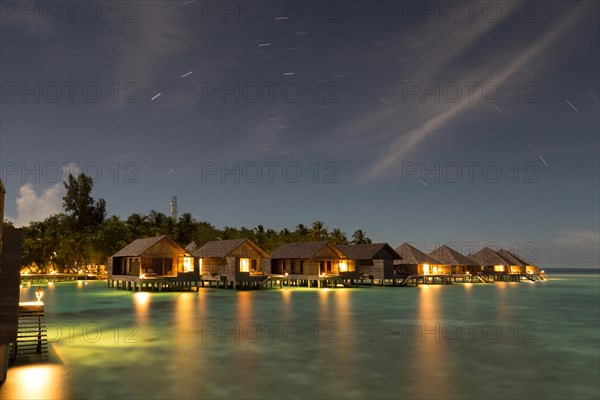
[{"x": 401, "y": 146}]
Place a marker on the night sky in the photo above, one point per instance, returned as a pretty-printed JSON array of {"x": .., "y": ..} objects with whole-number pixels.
[{"x": 463, "y": 122}]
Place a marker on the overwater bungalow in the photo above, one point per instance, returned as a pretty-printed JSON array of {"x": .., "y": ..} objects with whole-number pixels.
[
  {"x": 518, "y": 264},
  {"x": 374, "y": 260},
  {"x": 157, "y": 262},
  {"x": 491, "y": 262},
  {"x": 454, "y": 263},
  {"x": 414, "y": 262},
  {"x": 515, "y": 266},
  {"x": 235, "y": 262},
  {"x": 530, "y": 268},
  {"x": 309, "y": 262}
]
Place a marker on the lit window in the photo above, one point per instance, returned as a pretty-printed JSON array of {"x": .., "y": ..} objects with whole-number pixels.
[
  {"x": 343, "y": 266},
  {"x": 498, "y": 268},
  {"x": 188, "y": 264},
  {"x": 425, "y": 269},
  {"x": 244, "y": 265}
]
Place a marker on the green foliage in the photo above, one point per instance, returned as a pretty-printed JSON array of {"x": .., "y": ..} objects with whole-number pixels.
[
  {"x": 80, "y": 206},
  {"x": 82, "y": 236}
]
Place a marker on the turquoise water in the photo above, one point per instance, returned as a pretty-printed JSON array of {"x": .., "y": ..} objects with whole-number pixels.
[{"x": 497, "y": 341}]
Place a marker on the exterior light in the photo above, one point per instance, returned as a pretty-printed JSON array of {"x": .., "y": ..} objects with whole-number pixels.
[
  {"x": 39, "y": 293},
  {"x": 286, "y": 274},
  {"x": 142, "y": 276}
]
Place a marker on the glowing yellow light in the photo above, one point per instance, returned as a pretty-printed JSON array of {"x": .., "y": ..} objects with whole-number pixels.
[
  {"x": 244, "y": 265},
  {"x": 498, "y": 268},
  {"x": 286, "y": 274},
  {"x": 188, "y": 264},
  {"x": 141, "y": 298},
  {"x": 542, "y": 271},
  {"x": 200, "y": 265},
  {"x": 142, "y": 276},
  {"x": 50, "y": 283},
  {"x": 39, "y": 293},
  {"x": 343, "y": 266},
  {"x": 425, "y": 269}
]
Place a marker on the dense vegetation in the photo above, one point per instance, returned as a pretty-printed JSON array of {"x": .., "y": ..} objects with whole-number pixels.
[{"x": 83, "y": 237}]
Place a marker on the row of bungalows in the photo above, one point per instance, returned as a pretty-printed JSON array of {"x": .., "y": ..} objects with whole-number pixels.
[
  {"x": 503, "y": 264},
  {"x": 159, "y": 262}
]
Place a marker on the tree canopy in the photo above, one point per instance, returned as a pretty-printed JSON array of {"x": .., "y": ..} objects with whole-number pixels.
[{"x": 83, "y": 237}]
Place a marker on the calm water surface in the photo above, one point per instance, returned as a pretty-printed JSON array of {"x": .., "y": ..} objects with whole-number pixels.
[{"x": 507, "y": 340}]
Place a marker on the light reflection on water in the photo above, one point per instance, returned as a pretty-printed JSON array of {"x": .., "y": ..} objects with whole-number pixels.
[
  {"x": 35, "y": 382},
  {"x": 328, "y": 343}
]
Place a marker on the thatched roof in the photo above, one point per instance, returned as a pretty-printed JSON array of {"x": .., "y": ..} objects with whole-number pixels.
[
  {"x": 222, "y": 248},
  {"x": 448, "y": 256},
  {"x": 137, "y": 247},
  {"x": 303, "y": 249},
  {"x": 367, "y": 251},
  {"x": 487, "y": 256},
  {"x": 522, "y": 262},
  {"x": 521, "y": 259},
  {"x": 413, "y": 256},
  {"x": 191, "y": 247},
  {"x": 510, "y": 258}
]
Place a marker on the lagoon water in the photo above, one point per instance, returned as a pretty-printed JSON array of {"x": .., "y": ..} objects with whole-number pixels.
[{"x": 506, "y": 340}]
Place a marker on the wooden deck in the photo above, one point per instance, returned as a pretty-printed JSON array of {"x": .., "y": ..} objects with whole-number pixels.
[
  {"x": 153, "y": 283},
  {"x": 41, "y": 278},
  {"x": 170, "y": 283},
  {"x": 32, "y": 337}
]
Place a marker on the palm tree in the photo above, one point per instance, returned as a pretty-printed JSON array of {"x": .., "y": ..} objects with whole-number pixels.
[
  {"x": 301, "y": 230},
  {"x": 360, "y": 237},
  {"x": 338, "y": 237},
  {"x": 184, "y": 229},
  {"x": 260, "y": 235},
  {"x": 137, "y": 225},
  {"x": 318, "y": 230},
  {"x": 156, "y": 219}
]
